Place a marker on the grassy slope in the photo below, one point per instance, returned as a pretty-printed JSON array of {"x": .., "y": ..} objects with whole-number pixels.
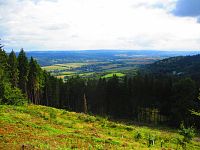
[{"x": 32, "y": 127}]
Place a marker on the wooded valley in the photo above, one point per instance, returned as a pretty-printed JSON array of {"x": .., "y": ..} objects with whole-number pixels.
[{"x": 147, "y": 97}]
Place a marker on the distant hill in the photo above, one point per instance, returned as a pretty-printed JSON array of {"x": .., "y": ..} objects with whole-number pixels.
[
  {"x": 180, "y": 66},
  {"x": 47, "y": 58}
]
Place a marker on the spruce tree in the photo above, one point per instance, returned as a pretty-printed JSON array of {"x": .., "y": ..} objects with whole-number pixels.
[
  {"x": 23, "y": 71},
  {"x": 13, "y": 70},
  {"x": 197, "y": 113},
  {"x": 33, "y": 82},
  {"x": 3, "y": 63},
  {"x": 3, "y": 60}
]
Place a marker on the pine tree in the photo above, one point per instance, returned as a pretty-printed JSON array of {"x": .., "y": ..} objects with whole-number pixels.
[
  {"x": 3, "y": 60},
  {"x": 3, "y": 64},
  {"x": 197, "y": 113},
  {"x": 184, "y": 94},
  {"x": 1, "y": 46},
  {"x": 13, "y": 70},
  {"x": 33, "y": 82},
  {"x": 23, "y": 71}
]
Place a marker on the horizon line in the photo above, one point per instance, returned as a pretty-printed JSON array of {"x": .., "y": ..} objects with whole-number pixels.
[{"x": 77, "y": 50}]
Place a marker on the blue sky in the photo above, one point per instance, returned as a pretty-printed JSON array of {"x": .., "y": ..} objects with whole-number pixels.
[{"x": 100, "y": 24}]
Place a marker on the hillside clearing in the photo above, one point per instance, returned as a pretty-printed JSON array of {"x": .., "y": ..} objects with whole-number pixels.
[{"x": 40, "y": 127}]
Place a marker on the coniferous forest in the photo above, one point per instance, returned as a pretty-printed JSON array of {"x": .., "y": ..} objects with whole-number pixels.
[{"x": 145, "y": 98}]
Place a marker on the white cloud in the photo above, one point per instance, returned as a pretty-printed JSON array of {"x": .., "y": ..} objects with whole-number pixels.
[{"x": 96, "y": 24}]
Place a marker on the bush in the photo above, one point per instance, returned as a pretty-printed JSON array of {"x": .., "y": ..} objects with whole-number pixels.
[
  {"x": 151, "y": 140},
  {"x": 129, "y": 128},
  {"x": 181, "y": 143},
  {"x": 187, "y": 133},
  {"x": 138, "y": 136},
  {"x": 52, "y": 115},
  {"x": 90, "y": 119},
  {"x": 12, "y": 96}
]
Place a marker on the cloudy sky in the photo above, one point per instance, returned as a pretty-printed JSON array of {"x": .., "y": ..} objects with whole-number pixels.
[{"x": 100, "y": 24}]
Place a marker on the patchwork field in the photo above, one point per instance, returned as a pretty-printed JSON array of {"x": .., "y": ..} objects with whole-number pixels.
[
  {"x": 97, "y": 63},
  {"x": 40, "y": 127},
  {"x": 112, "y": 74},
  {"x": 90, "y": 69}
]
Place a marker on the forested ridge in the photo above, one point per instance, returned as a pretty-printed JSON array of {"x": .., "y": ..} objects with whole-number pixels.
[
  {"x": 149, "y": 98},
  {"x": 181, "y": 66}
]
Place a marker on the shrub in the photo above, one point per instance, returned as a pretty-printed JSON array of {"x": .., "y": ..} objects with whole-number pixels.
[
  {"x": 161, "y": 143},
  {"x": 112, "y": 125},
  {"x": 151, "y": 140},
  {"x": 12, "y": 96},
  {"x": 128, "y": 128},
  {"x": 181, "y": 143},
  {"x": 52, "y": 115},
  {"x": 187, "y": 133},
  {"x": 138, "y": 136},
  {"x": 90, "y": 119}
]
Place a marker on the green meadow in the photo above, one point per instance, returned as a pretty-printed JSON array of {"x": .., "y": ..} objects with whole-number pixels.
[{"x": 40, "y": 127}]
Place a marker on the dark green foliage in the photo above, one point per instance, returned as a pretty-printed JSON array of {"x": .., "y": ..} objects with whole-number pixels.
[
  {"x": 23, "y": 71},
  {"x": 162, "y": 143},
  {"x": 3, "y": 60},
  {"x": 187, "y": 133},
  {"x": 52, "y": 115},
  {"x": 179, "y": 66},
  {"x": 3, "y": 71},
  {"x": 33, "y": 81},
  {"x": 138, "y": 136},
  {"x": 75, "y": 88},
  {"x": 151, "y": 140},
  {"x": 12, "y": 95},
  {"x": 196, "y": 113},
  {"x": 184, "y": 94},
  {"x": 13, "y": 69}
]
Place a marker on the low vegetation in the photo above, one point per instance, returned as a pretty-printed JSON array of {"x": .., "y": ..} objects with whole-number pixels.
[{"x": 40, "y": 127}]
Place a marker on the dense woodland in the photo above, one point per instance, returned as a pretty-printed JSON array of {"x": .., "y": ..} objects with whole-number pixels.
[
  {"x": 181, "y": 66},
  {"x": 169, "y": 98}
]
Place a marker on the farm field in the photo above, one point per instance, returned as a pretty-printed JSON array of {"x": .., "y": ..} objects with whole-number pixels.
[
  {"x": 87, "y": 69},
  {"x": 97, "y": 69},
  {"x": 41, "y": 127},
  {"x": 95, "y": 64},
  {"x": 112, "y": 74}
]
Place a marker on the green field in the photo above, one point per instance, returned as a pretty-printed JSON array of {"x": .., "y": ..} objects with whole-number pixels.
[
  {"x": 67, "y": 66},
  {"x": 112, "y": 74},
  {"x": 90, "y": 69},
  {"x": 40, "y": 127}
]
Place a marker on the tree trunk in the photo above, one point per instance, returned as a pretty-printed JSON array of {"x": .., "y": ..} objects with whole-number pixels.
[{"x": 84, "y": 104}]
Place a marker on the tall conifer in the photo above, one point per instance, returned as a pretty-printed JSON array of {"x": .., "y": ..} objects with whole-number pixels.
[
  {"x": 33, "y": 81},
  {"x": 13, "y": 70},
  {"x": 23, "y": 70}
]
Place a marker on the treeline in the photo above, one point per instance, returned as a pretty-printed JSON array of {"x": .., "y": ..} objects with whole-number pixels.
[
  {"x": 22, "y": 80},
  {"x": 124, "y": 98}
]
